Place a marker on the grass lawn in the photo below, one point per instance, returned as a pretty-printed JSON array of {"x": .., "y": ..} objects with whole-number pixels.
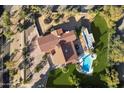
[
  {"x": 59, "y": 79},
  {"x": 100, "y": 32}
]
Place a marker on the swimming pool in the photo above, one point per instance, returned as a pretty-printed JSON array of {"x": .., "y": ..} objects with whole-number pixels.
[{"x": 86, "y": 61}]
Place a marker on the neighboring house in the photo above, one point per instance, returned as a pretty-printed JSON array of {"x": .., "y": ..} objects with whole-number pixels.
[{"x": 60, "y": 45}]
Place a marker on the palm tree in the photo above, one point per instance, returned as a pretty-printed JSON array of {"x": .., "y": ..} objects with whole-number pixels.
[{"x": 10, "y": 64}]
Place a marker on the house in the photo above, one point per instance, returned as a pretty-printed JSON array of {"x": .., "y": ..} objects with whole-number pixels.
[{"x": 60, "y": 45}]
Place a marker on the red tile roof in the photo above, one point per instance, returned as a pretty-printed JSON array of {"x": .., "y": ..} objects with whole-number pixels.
[
  {"x": 47, "y": 43},
  {"x": 63, "y": 46}
]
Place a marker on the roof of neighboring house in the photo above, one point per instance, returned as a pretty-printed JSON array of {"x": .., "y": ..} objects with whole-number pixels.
[{"x": 60, "y": 47}]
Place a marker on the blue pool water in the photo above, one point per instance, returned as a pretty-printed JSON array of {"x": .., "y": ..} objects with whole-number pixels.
[{"x": 87, "y": 63}]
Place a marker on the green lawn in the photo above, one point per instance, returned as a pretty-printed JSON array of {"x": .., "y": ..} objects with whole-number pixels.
[
  {"x": 59, "y": 79},
  {"x": 100, "y": 32}
]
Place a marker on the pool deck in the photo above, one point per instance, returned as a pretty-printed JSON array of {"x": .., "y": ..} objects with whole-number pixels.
[{"x": 86, "y": 61}]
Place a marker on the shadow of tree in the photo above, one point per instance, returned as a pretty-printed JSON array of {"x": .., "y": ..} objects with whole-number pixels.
[
  {"x": 72, "y": 24},
  {"x": 53, "y": 76},
  {"x": 27, "y": 24},
  {"x": 38, "y": 26},
  {"x": 6, "y": 79},
  {"x": 87, "y": 81},
  {"x": 96, "y": 33},
  {"x": 61, "y": 86}
]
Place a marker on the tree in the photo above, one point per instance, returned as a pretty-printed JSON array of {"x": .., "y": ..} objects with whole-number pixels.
[
  {"x": 38, "y": 68},
  {"x": 74, "y": 80},
  {"x": 47, "y": 11},
  {"x": 92, "y": 14},
  {"x": 110, "y": 78},
  {"x": 10, "y": 65},
  {"x": 6, "y": 23},
  {"x": 112, "y": 14},
  {"x": 36, "y": 9},
  {"x": 22, "y": 15},
  {"x": 116, "y": 52},
  {"x": 8, "y": 33},
  {"x": 6, "y": 19}
]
